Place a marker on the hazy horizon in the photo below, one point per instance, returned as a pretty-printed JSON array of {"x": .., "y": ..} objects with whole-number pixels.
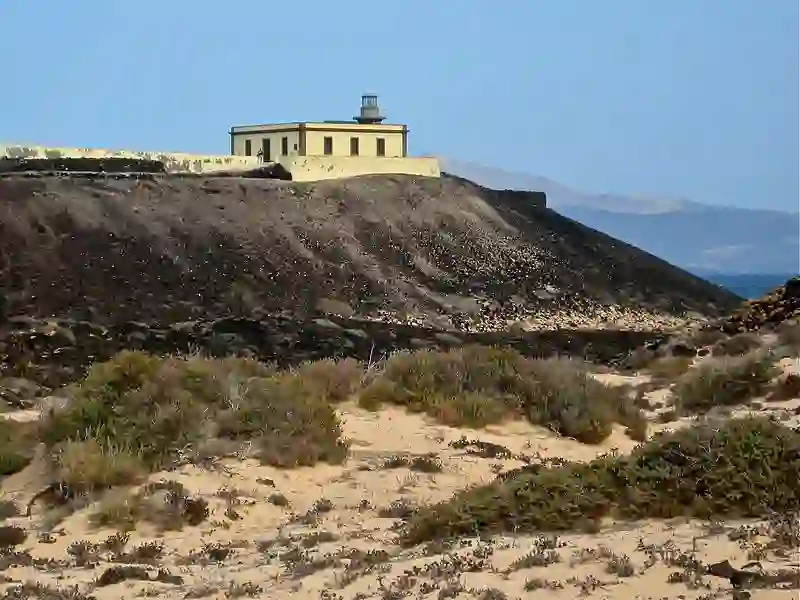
[{"x": 687, "y": 100}]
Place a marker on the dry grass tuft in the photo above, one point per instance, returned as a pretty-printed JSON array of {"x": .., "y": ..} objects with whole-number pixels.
[
  {"x": 428, "y": 463},
  {"x": 332, "y": 380},
  {"x": 166, "y": 504},
  {"x": 138, "y": 413},
  {"x": 725, "y": 381},
  {"x": 477, "y": 386},
  {"x": 737, "y": 345},
  {"x": 669, "y": 367},
  {"x": 12, "y": 535},
  {"x": 8, "y": 509},
  {"x": 88, "y": 465},
  {"x": 786, "y": 387},
  {"x": 17, "y": 441},
  {"x": 789, "y": 337}
]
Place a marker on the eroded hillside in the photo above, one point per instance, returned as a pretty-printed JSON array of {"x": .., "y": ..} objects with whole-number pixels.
[{"x": 440, "y": 252}]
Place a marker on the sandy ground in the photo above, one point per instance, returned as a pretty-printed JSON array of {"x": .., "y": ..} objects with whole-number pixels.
[{"x": 331, "y": 541}]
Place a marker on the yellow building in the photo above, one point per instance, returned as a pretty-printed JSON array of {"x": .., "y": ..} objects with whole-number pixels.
[{"x": 330, "y": 149}]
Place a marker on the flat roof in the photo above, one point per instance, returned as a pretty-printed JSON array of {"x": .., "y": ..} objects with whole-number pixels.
[{"x": 321, "y": 124}]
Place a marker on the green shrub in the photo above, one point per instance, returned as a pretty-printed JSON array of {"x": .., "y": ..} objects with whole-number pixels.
[
  {"x": 786, "y": 387},
  {"x": 736, "y": 345},
  {"x": 669, "y": 367},
  {"x": 706, "y": 337},
  {"x": 725, "y": 381},
  {"x": 8, "y": 509},
  {"x": 476, "y": 386},
  {"x": 292, "y": 426},
  {"x": 789, "y": 337},
  {"x": 138, "y": 412},
  {"x": 747, "y": 468},
  {"x": 638, "y": 359},
  {"x": 16, "y": 446},
  {"x": 469, "y": 386},
  {"x": 470, "y": 409},
  {"x": 147, "y": 405},
  {"x": 333, "y": 380},
  {"x": 563, "y": 396},
  {"x": 245, "y": 368},
  {"x": 88, "y": 465},
  {"x": 165, "y": 504}
]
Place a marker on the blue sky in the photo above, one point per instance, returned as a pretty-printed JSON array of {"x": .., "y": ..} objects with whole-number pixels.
[{"x": 695, "y": 99}]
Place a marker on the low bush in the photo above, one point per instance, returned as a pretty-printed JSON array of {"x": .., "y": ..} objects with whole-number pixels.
[
  {"x": 469, "y": 386},
  {"x": 561, "y": 395},
  {"x": 165, "y": 504},
  {"x": 669, "y": 367},
  {"x": 333, "y": 380},
  {"x": 725, "y": 381},
  {"x": 736, "y": 345},
  {"x": 786, "y": 387},
  {"x": 477, "y": 386},
  {"x": 138, "y": 413},
  {"x": 746, "y": 468},
  {"x": 637, "y": 360},
  {"x": 17, "y": 441},
  {"x": 86, "y": 464},
  {"x": 428, "y": 463},
  {"x": 789, "y": 337},
  {"x": 291, "y": 426},
  {"x": 706, "y": 337},
  {"x": 8, "y": 509},
  {"x": 12, "y": 535}
]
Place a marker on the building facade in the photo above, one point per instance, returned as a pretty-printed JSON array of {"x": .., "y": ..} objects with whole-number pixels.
[
  {"x": 329, "y": 149},
  {"x": 271, "y": 142}
]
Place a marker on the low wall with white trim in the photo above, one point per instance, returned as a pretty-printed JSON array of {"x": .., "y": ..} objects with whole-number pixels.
[
  {"x": 315, "y": 168},
  {"x": 174, "y": 162},
  {"x": 302, "y": 168}
]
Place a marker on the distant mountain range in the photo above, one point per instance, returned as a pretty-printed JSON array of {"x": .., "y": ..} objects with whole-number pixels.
[
  {"x": 716, "y": 242},
  {"x": 748, "y": 286}
]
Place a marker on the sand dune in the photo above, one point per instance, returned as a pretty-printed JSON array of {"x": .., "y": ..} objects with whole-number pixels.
[{"x": 335, "y": 536}]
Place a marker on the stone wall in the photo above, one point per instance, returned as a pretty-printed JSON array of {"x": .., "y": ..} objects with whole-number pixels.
[
  {"x": 302, "y": 168},
  {"x": 174, "y": 162},
  {"x": 315, "y": 168}
]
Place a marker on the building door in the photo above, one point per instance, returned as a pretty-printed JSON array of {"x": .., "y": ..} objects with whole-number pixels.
[{"x": 266, "y": 150}]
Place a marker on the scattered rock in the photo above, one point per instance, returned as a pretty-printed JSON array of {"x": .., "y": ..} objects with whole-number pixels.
[
  {"x": 47, "y": 362},
  {"x": 780, "y": 305},
  {"x": 786, "y": 387}
]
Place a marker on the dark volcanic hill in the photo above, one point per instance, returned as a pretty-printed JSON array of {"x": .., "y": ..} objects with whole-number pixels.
[{"x": 445, "y": 252}]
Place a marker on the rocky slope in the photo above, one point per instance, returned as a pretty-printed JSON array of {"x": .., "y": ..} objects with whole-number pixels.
[
  {"x": 713, "y": 239},
  {"x": 775, "y": 313},
  {"x": 444, "y": 253},
  {"x": 38, "y": 355},
  {"x": 779, "y": 306}
]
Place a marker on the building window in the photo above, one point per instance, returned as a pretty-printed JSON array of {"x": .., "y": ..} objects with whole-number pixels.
[
  {"x": 353, "y": 146},
  {"x": 381, "y": 147},
  {"x": 285, "y": 146},
  {"x": 327, "y": 145},
  {"x": 248, "y": 148},
  {"x": 266, "y": 150}
]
